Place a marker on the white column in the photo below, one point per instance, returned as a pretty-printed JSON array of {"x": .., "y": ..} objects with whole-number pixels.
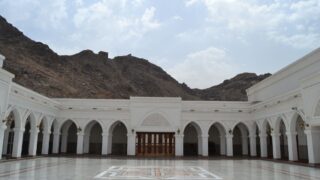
[
  {"x": 199, "y": 145},
  {"x": 86, "y": 143},
  {"x": 64, "y": 143},
  {"x": 179, "y": 145},
  {"x": 109, "y": 146},
  {"x": 205, "y": 141},
  {"x": 45, "y": 143},
  {"x": 105, "y": 143},
  {"x": 80, "y": 143},
  {"x": 276, "y": 145},
  {"x": 17, "y": 142},
  {"x": 229, "y": 138},
  {"x": 292, "y": 146},
  {"x": 263, "y": 145},
  {"x": 33, "y": 141},
  {"x": 313, "y": 140},
  {"x": 131, "y": 145},
  {"x": 2, "y": 133},
  {"x": 56, "y": 142},
  {"x": 253, "y": 145},
  {"x": 6, "y": 141},
  {"x": 223, "y": 145},
  {"x": 245, "y": 144}
]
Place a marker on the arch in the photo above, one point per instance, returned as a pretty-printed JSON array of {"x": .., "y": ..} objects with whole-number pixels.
[
  {"x": 29, "y": 125},
  {"x": 279, "y": 121},
  {"x": 255, "y": 131},
  {"x": 155, "y": 119},
  {"x": 8, "y": 139},
  {"x": 92, "y": 143},
  {"x": 114, "y": 123},
  {"x": 32, "y": 120},
  {"x": 195, "y": 124},
  {"x": 301, "y": 140},
  {"x": 217, "y": 139},
  {"x": 53, "y": 128},
  {"x": 69, "y": 139},
  {"x": 266, "y": 131},
  {"x": 88, "y": 126},
  {"x": 282, "y": 129},
  {"x": 192, "y": 139},
  {"x": 241, "y": 144},
  {"x": 44, "y": 127},
  {"x": 294, "y": 119},
  {"x": 15, "y": 113},
  {"x": 118, "y": 138}
]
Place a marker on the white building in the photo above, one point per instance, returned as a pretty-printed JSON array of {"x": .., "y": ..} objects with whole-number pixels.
[{"x": 281, "y": 120}]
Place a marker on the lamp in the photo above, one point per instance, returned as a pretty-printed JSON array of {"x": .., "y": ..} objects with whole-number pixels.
[
  {"x": 178, "y": 131},
  {"x": 132, "y": 130},
  {"x": 79, "y": 129},
  {"x": 230, "y": 131}
]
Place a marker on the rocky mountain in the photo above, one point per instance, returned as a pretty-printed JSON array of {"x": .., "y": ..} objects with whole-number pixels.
[
  {"x": 90, "y": 75},
  {"x": 233, "y": 89}
]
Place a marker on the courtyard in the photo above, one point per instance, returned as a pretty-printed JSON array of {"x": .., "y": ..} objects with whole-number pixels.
[{"x": 65, "y": 168}]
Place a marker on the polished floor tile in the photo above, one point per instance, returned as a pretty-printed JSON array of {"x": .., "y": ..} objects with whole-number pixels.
[{"x": 62, "y": 168}]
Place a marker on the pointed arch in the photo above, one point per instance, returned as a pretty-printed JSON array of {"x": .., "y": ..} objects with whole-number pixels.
[
  {"x": 241, "y": 144},
  {"x": 118, "y": 138},
  {"x": 92, "y": 143},
  {"x": 192, "y": 139},
  {"x": 217, "y": 139},
  {"x": 69, "y": 131}
]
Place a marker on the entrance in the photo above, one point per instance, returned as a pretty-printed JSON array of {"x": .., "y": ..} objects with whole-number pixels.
[{"x": 155, "y": 144}]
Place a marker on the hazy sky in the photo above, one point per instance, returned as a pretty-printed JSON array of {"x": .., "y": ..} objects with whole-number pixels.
[{"x": 200, "y": 42}]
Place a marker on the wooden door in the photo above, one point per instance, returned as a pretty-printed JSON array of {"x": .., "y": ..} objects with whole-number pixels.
[{"x": 155, "y": 144}]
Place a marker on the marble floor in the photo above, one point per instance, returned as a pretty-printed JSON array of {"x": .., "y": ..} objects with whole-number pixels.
[{"x": 64, "y": 168}]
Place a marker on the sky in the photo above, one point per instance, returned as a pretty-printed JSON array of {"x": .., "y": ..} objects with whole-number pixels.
[{"x": 199, "y": 42}]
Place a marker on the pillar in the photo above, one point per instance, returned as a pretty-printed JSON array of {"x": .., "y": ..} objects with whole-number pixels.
[
  {"x": 199, "y": 145},
  {"x": 105, "y": 144},
  {"x": 131, "y": 145},
  {"x": 276, "y": 145},
  {"x": 179, "y": 145},
  {"x": 64, "y": 143},
  {"x": 292, "y": 146},
  {"x": 263, "y": 145},
  {"x": 205, "y": 141},
  {"x": 245, "y": 145},
  {"x": 17, "y": 142},
  {"x": 45, "y": 143},
  {"x": 229, "y": 144},
  {"x": 253, "y": 145},
  {"x": 86, "y": 143},
  {"x": 56, "y": 142},
  {"x": 80, "y": 136},
  {"x": 313, "y": 137},
  {"x": 2, "y": 135},
  {"x": 109, "y": 146},
  {"x": 6, "y": 141},
  {"x": 223, "y": 145},
  {"x": 33, "y": 142}
]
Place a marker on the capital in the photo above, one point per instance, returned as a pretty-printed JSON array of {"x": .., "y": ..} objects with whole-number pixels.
[
  {"x": 80, "y": 134},
  {"x": 18, "y": 130},
  {"x": 229, "y": 136},
  {"x": 291, "y": 133},
  {"x": 275, "y": 134}
]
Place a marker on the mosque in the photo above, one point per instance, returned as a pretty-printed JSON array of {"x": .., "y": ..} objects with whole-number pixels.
[{"x": 280, "y": 120}]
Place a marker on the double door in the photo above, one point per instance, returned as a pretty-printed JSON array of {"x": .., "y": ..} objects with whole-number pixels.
[{"x": 155, "y": 144}]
